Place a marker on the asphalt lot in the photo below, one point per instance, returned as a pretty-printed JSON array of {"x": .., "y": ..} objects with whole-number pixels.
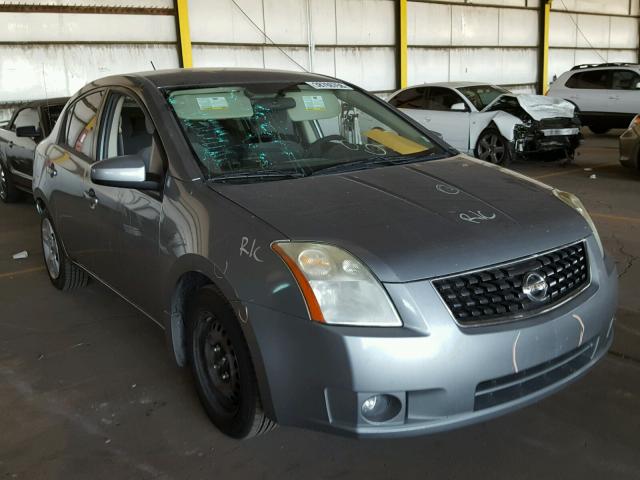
[{"x": 87, "y": 389}]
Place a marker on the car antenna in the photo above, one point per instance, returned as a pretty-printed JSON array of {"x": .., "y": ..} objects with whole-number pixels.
[
  {"x": 46, "y": 99},
  {"x": 151, "y": 62}
]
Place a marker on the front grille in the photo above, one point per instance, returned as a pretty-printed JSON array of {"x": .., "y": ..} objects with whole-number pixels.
[
  {"x": 496, "y": 294},
  {"x": 511, "y": 387},
  {"x": 559, "y": 122}
]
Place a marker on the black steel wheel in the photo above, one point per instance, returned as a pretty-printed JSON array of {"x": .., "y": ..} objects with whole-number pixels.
[
  {"x": 222, "y": 367},
  {"x": 493, "y": 147},
  {"x": 8, "y": 192}
]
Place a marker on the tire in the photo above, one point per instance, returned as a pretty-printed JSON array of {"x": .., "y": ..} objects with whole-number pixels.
[
  {"x": 493, "y": 147},
  {"x": 222, "y": 368},
  {"x": 8, "y": 191},
  {"x": 598, "y": 129},
  {"x": 63, "y": 273}
]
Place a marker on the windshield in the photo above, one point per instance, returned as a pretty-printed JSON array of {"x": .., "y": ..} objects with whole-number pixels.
[
  {"x": 268, "y": 130},
  {"x": 482, "y": 95}
]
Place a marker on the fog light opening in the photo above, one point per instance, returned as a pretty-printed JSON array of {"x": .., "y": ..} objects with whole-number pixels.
[{"x": 380, "y": 408}]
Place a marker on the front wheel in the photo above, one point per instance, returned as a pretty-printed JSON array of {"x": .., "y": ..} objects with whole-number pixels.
[
  {"x": 493, "y": 147},
  {"x": 222, "y": 367},
  {"x": 8, "y": 191},
  {"x": 63, "y": 273}
]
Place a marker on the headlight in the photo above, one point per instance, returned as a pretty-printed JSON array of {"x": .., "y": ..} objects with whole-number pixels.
[
  {"x": 337, "y": 287},
  {"x": 575, "y": 203}
]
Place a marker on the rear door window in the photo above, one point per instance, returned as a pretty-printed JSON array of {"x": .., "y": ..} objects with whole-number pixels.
[
  {"x": 51, "y": 113},
  {"x": 624, "y": 79},
  {"x": 80, "y": 126},
  {"x": 412, "y": 98},
  {"x": 594, "y": 80}
]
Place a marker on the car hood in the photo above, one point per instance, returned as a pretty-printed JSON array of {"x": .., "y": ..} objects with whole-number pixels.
[
  {"x": 417, "y": 221},
  {"x": 540, "y": 106}
]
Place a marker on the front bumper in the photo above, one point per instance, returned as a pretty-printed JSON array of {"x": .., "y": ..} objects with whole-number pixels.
[
  {"x": 444, "y": 376},
  {"x": 556, "y": 135}
]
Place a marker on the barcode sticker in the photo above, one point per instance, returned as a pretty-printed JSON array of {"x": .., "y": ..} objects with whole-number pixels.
[{"x": 329, "y": 86}]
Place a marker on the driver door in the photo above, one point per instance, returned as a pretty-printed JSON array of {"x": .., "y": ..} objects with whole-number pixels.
[
  {"x": 20, "y": 150},
  {"x": 132, "y": 268},
  {"x": 441, "y": 118}
]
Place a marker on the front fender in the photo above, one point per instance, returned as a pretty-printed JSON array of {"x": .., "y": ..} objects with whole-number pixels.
[{"x": 503, "y": 121}]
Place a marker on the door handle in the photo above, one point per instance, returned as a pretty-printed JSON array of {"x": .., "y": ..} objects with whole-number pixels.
[
  {"x": 614, "y": 98},
  {"x": 51, "y": 169},
  {"x": 91, "y": 196}
]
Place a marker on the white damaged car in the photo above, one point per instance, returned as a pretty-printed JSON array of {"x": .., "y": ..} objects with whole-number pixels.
[{"x": 492, "y": 123}]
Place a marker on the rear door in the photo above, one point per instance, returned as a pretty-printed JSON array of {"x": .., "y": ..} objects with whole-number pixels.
[
  {"x": 68, "y": 166},
  {"x": 589, "y": 90},
  {"x": 624, "y": 92},
  {"x": 452, "y": 124}
]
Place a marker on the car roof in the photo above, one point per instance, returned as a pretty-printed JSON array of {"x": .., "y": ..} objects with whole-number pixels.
[
  {"x": 183, "y": 77},
  {"x": 45, "y": 101},
  {"x": 604, "y": 66},
  {"x": 452, "y": 84}
]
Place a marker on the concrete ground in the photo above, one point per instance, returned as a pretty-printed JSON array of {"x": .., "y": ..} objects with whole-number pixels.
[{"x": 87, "y": 389}]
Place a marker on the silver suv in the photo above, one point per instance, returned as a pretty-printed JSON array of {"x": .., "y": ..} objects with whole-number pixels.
[{"x": 606, "y": 95}]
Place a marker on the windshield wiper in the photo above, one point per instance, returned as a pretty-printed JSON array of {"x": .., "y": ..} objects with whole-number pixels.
[
  {"x": 264, "y": 174},
  {"x": 387, "y": 160}
]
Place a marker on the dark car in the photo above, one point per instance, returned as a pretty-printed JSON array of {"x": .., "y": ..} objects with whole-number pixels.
[
  {"x": 316, "y": 257},
  {"x": 18, "y": 139}
]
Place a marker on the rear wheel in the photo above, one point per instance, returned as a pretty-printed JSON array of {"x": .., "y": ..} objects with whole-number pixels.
[
  {"x": 62, "y": 272},
  {"x": 598, "y": 129},
  {"x": 222, "y": 367},
  {"x": 493, "y": 147},
  {"x": 8, "y": 191}
]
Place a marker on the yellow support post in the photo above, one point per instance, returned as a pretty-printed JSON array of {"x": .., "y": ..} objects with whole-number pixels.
[
  {"x": 544, "y": 45},
  {"x": 403, "y": 47},
  {"x": 184, "y": 34}
]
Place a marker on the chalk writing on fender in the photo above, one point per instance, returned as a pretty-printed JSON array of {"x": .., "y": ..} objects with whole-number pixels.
[{"x": 250, "y": 251}]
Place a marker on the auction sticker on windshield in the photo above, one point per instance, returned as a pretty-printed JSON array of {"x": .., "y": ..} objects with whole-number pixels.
[
  {"x": 329, "y": 86},
  {"x": 212, "y": 103},
  {"x": 314, "y": 102}
]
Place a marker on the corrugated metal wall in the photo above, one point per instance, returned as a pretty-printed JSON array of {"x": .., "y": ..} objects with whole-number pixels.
[
  {"x": 609, "y": 26},
  {"x": 489, "y": 41},
  {"x": 60, "y": 45},
  {"x": 351, "y": 39}
]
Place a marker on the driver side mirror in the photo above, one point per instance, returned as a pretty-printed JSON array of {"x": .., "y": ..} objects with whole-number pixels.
[
  {"x": 29, "y": 131},
  {"x": 127, "y": 171},
  {"x": 459, "y": 107}
]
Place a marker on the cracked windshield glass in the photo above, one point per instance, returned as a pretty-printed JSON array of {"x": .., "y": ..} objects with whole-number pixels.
[{"x": 275, "y": 131}]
